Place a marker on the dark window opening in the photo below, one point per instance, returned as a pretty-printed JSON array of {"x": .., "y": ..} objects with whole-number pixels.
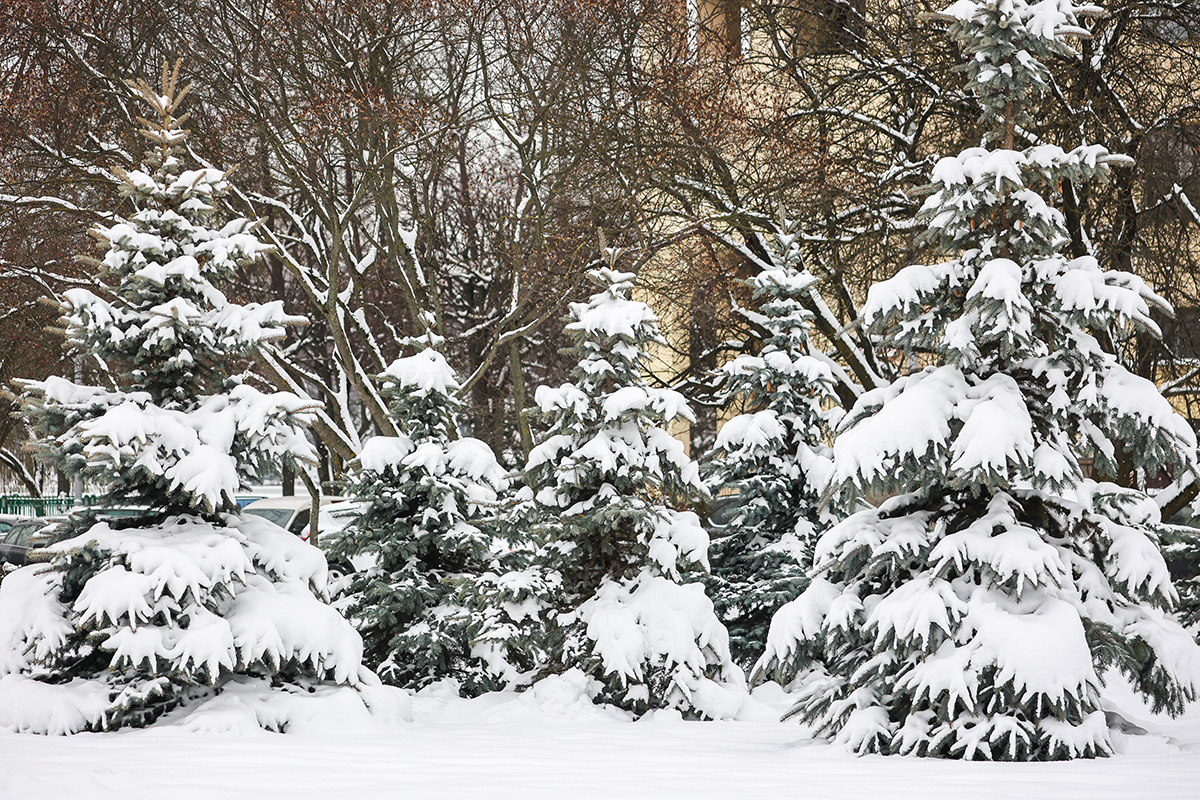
[
  {"x": 828, "y": 27},
  {"x": 719, "y": 28}
]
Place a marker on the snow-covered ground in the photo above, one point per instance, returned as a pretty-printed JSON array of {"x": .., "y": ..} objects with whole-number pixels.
[{"x": 553, "y": 744}]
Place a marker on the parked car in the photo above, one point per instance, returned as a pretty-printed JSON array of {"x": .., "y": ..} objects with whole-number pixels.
[
  {"x": 724, "y": 508},
  {"x": 294, "y": 513},
  {"x": 21, "y": 538},
  {"x": 108, "y": 513}
]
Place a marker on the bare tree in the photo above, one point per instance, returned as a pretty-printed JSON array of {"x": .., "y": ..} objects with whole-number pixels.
[{"x": 443, "y": 168}]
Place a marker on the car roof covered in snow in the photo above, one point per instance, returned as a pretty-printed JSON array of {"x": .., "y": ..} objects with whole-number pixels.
[{"x": 293, "y": 502}]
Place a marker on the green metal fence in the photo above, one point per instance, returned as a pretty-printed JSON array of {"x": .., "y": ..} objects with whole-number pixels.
[{"x": 40, "y": 506}]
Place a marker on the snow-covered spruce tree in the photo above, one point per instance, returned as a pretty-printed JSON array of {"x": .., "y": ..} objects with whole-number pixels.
[
  {"x": 970, "y": 615},
  {"x": 424, "y": 491},
  {"x": 599, "y": 582},
  {"x": 771, "y": 461},
  {"x": 130, "y": 621}
]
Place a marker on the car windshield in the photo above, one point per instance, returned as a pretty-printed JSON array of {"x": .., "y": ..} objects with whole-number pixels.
[
  {"x": 20, "y": 533},
  {"x": 279, "y": 516}
]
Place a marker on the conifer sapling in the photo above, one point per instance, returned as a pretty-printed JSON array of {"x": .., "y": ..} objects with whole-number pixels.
[
  {"x": 772, "y": 461},
  {"x": 598, "y": 575},
  {"x": 424, "y": 493}
]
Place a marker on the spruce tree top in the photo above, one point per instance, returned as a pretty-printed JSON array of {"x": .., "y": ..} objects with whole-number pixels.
[
  {"x": 1007, "y": 44},
  {"x": 167, "y": 329},
  {"x": 609, "y": 331},
  {"x": 181, "y": 431},
  {"x": 422, "y": 393}
]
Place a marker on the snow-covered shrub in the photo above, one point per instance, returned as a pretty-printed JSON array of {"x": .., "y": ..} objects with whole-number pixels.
[
  {"x": 972, "y": 614},
  {"x": 771, "y": 462},
  {"x": 596, "y": 578},
  {"x": 127, "y": 622},
  {"x": 424, "y": 492}
]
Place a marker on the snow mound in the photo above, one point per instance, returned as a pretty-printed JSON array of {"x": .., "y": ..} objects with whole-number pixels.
[
  {"x": 247, "y": 706},
  {"x": 29, "y": 706}
]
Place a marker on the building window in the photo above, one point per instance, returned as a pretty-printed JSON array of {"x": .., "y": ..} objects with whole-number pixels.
[
  {"x": 1170, "y": 161},
  {"x": 1171, "y": 25},
  {"x": 828, "y": 27},
  {"x": 715, "y": 28}
]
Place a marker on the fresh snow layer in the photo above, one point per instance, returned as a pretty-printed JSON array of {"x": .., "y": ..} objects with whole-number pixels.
[{"x": 551, "y": 742}]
